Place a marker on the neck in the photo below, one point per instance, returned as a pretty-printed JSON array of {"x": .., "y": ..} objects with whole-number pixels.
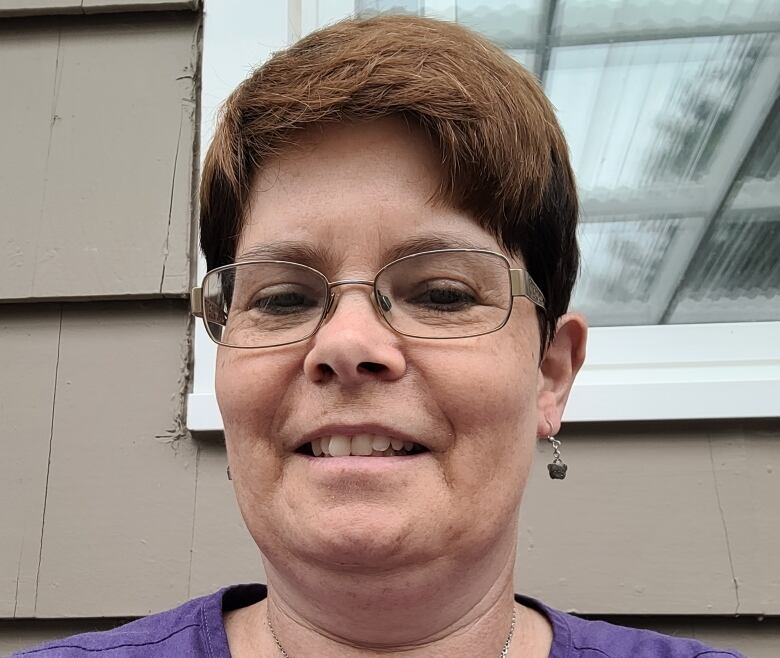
[{"x": 441, "y": 608}]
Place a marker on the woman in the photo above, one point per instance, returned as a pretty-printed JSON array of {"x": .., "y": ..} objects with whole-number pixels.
[{"x": 388, "y": 214}]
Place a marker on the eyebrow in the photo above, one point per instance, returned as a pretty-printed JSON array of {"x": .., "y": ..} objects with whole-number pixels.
[
  {"x": 306, "y": 253},
  {"x": 292, "y": 251},
  {"x": 431, "y": 242}
]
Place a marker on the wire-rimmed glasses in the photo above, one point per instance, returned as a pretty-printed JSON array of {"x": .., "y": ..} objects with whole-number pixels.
[{"x": 445, "y": 293}]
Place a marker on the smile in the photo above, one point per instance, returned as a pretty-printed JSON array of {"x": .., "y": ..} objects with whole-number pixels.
[{"x": 359, "y": 445}]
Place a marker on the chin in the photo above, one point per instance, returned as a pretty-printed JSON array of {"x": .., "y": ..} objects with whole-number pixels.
[{"x": 360, "y": 537}]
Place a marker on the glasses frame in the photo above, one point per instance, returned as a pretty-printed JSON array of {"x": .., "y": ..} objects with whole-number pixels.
[{"x": 521, "y": 285}]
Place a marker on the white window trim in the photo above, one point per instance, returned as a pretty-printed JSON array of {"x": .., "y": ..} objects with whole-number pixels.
[{"x": 662, "y": 372}]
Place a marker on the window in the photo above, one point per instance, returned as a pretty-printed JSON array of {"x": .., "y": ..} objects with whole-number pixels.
[{"x": 673, "y": 121}]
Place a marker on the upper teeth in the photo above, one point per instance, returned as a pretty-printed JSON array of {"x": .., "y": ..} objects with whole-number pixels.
[{"x": 364, "y": 445}]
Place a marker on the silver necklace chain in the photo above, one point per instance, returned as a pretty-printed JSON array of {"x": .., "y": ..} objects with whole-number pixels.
[
  {"x": 273, "y": 633},
  {"x": 504, "y": 650}
]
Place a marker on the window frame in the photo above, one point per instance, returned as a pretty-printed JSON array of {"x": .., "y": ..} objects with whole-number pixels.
[{"x": 632, "y": 373}]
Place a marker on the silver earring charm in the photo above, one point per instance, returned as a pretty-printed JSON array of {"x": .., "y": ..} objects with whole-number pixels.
[{"x": 557, "y": 469}]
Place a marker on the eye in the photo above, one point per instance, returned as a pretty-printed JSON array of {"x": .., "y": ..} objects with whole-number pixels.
[
  {"x": 280, "y": 301},
  {"x": 443, "y": 296}
]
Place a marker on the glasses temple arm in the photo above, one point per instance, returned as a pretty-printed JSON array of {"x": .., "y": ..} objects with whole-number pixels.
[
  {"x": 196, "y": 302},
  {"x": 524, "y": 286}
]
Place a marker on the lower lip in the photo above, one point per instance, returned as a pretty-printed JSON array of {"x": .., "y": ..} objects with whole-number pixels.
[{"x": 356, "y": 464}]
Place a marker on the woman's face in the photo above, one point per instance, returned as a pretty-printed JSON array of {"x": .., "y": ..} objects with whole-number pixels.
[{"x": 350, "y": 194}]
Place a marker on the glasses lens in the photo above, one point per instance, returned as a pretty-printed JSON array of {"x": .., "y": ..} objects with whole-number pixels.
[
  {"x": 263, "y": 304},
  {"x": 445, "y": 294}
]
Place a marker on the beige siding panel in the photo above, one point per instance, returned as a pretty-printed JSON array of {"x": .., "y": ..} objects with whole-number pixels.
[
  {"x": 44, "y": 7},
  {"x": 751, "y": 637},
  {"x": 27, "y": 633},
  {"x": 748, "y": 487},
  {"x": 28, "y": 361},
  {"x": 100, "y": 205},
  {"x": 223, "y": 552},
  {"x": 92, "y": 6},
  {"x": 754, "y": 638},
  {"x": 28, "y": 76},
  {"x": 656, "y": 519},
  {"x": 118, "y": 523},
  {"x": 36, "y": 7}
]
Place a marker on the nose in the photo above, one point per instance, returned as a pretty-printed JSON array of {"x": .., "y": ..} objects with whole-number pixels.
[{"x": 355, "y": 345}]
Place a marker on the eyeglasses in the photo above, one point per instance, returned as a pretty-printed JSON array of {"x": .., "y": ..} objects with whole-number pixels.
[{"x": 447, "y": 293}]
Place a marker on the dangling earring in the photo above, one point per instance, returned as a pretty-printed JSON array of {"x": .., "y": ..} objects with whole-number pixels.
[
  {"x": 557, "y": 468},
  {"x": 230, "y": 477}
]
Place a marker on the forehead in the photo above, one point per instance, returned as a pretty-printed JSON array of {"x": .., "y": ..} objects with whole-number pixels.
[{"x": 354, "y": 193}]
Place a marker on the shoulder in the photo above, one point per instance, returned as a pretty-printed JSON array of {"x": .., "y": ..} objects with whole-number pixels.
[
  {"x": 574, "y": 637},
  {"x": 182, "y": 631}
]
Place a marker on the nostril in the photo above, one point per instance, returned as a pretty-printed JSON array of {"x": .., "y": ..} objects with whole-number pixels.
[
  {"x": 325, "y": 369},
  {"x": 372, "y": 367}
]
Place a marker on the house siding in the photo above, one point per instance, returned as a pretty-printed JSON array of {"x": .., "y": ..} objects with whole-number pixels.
[
  {"x": 99, "y": 132},
  {"x": 96, "y": 201}
]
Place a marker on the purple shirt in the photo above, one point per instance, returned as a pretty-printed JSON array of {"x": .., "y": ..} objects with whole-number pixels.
[{"x": 195, "y": 630}]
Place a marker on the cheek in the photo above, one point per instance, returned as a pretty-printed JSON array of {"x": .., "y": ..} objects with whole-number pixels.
[
  {"x": 487, "y": 392},
  {"x": 250, "y": 389},
  {"x": 488, "y": 396},
  {"x": 249, "y": 383}
]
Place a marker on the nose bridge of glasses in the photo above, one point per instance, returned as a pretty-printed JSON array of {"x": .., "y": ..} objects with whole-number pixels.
[
  {"x": 335, "y": 296},
  {"x": 350, "y": 282}
]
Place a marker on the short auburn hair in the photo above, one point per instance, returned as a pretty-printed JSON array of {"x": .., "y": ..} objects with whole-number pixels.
[{"x": 504, "y": 159}]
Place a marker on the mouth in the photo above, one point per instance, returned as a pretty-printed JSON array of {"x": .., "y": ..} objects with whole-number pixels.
[{"x": 359, "y": 445}]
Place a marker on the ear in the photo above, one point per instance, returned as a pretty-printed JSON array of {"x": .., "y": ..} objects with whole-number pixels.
[{"x": 560, "y": 365}]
